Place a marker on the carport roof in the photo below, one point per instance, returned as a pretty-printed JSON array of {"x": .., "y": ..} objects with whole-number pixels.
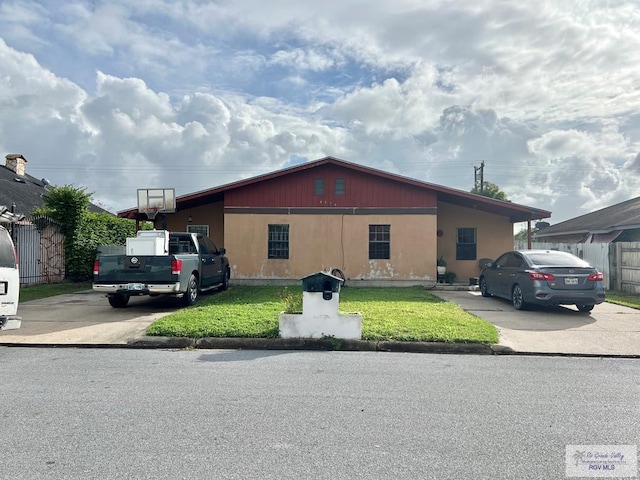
[{"x": 515, "y": 212}]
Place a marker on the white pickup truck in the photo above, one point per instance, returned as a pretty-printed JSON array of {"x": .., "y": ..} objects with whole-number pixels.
[{"x": 9, "y": 283}]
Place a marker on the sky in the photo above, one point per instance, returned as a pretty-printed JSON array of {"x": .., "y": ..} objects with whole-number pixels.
[{"x": 193, "y": 94}]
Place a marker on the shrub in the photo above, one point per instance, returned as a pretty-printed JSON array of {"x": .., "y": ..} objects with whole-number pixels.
[{"x": 95, "y": 229}]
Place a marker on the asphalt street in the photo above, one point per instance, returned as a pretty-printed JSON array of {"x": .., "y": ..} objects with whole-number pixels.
[{"x": 83, "y": 413}]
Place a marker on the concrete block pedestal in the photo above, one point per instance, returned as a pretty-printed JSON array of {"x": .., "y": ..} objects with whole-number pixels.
[
  {"x": 320, "y": 317},
  {"x": 300, "y": 325}
]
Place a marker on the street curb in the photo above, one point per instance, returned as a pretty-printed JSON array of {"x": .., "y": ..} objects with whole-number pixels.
[
  {"x": 322, "y": 344},
  {"x": 236, "y": 343}
]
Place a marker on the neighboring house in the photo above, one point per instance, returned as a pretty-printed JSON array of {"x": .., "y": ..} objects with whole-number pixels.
[
  {"x": 328, "y": 213},
  {"x": 617, "y": 223},
  {"x": 20, "y": 193},
  {"x": 40, "y": 248}
]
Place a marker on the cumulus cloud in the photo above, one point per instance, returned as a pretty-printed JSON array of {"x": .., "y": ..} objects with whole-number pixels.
[
  {"x": 196, "y": 94},
  {"x": 300, "y": 59}
]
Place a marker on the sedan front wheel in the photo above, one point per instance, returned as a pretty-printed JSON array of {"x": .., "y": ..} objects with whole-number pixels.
[{"x": 483, "y": 287}]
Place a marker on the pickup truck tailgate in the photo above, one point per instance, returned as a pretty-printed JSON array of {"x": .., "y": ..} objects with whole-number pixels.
[{"x": 134, "y": 269}]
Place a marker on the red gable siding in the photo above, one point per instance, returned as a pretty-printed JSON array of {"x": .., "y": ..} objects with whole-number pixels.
[{"x": 361, "y": 190}]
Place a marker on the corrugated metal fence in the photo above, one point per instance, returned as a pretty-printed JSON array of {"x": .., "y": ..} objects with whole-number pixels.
[
  {"x": 620, "y": 262},
  {"x": 40, "y": 246}
]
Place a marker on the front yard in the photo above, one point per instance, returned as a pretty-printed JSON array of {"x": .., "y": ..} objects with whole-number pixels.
[{"x": 397, "y": 314}]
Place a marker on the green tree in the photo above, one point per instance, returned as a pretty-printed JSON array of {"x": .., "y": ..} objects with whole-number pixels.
[
  {"x": 66, "y": 205},
  {"x": 83, "y": 231},
  {"x": 522, "y": 234},
  {"x": 490, "y": 190}
]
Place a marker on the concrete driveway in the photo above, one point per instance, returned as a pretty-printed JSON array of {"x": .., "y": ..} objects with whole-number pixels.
[
  {"x": 85, "y": 318},
  {"x": 609, "y": 329}
]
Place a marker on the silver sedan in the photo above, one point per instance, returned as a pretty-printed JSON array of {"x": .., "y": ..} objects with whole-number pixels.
[{"x": 543, "y": 277}]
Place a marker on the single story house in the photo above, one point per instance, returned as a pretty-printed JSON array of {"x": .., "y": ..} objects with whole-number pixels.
[
  {"x": 617, "y": 223},
  {"x": 372, "y": 225}
]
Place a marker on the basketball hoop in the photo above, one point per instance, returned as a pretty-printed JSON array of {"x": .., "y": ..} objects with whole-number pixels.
[{"x": 151, "y": 212}]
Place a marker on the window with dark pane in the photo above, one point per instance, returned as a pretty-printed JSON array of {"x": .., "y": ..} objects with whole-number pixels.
[
  {"x": 203, "y": 229},
  {"x": 466, "y": 244},
  {"x": 340, "y": 186},
  {"x": 278, "y": 241},
  {"x": 318, "y": 186},
  {"x": 379, "y": 242}
]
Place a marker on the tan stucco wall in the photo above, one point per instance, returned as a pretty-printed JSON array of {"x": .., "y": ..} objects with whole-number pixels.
[
  {"x": 414, "y": 244},
  {"x": 322, "y": 242},
  {"x": 494, "y": 236}
]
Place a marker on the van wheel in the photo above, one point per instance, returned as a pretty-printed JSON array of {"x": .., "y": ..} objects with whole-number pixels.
[
  {"x": 191, "y": 295},
  {"x": 517, "y": 298},
  {"x": 585, "y": 308},
  {"x": 118, "y": 300}
]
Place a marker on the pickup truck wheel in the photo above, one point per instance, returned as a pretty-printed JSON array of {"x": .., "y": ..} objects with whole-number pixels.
[
  {"x": 191, "y": 295},
  {"x": 118, "y": 300},
  {"x": 225, "y": 279}
]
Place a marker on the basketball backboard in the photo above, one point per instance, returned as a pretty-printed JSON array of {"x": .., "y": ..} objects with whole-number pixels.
[{"x": 156, "y": 200}]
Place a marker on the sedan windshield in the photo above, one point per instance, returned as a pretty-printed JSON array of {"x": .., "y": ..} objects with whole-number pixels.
[{"x": 556, "y": 259}]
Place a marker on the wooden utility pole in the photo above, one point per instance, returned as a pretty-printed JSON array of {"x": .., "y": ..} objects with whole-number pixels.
[{"x": 479, "y": 178}]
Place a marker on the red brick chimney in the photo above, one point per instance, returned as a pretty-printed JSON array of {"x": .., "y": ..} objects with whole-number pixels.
[{"x": 16, "y": 162}]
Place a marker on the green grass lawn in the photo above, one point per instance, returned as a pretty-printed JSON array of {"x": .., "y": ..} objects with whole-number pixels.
[
  {"x": 400, "y": 314},
  {"x": 43, "y": 290},
  {"x": 623, "y": 298}
]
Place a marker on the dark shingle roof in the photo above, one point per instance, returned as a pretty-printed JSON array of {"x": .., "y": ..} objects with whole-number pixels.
[
  {"x": 23, "y": 190},
  {"x": 622, "y": 216},
  {"x": 26, "y": 192}
]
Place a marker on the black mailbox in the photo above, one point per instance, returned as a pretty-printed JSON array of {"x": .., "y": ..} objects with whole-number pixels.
[{"x": 322, "y": 282}]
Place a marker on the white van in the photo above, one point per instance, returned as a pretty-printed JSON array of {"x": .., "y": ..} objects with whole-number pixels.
[{"x": 9, "y": 283}]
